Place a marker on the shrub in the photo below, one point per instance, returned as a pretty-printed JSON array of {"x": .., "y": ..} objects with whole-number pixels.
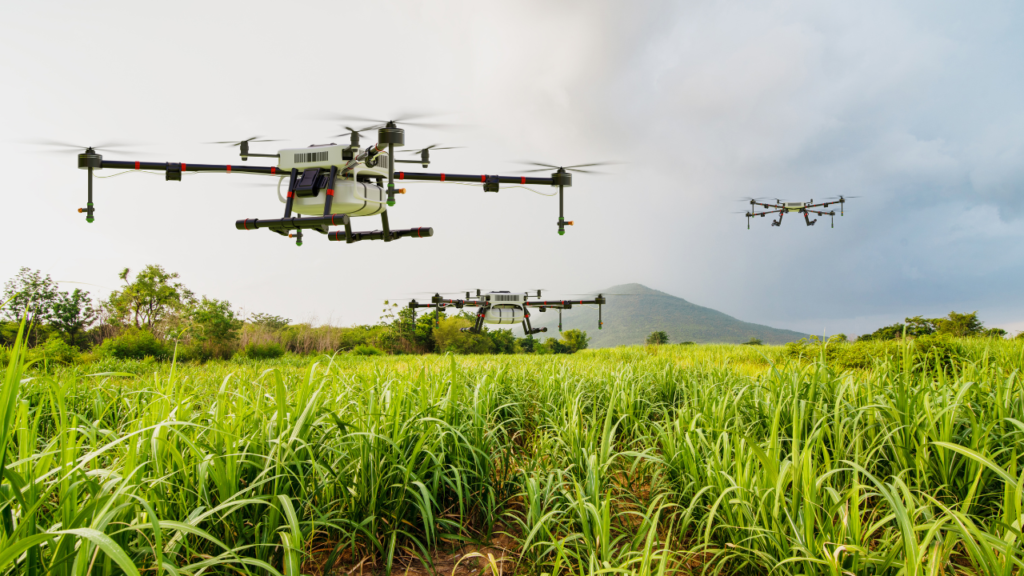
[
  {"x": 754, "y": 341},
  {"x": 264, "y": 351},
  {"x": 658, "y": 337},
  {"x": 134, "y": 344},
  {"x": 449, "y": 337},
  {"x": 363, "y": 350},
  {"x": 576, "y": 340},
  {"x": 57, "y": 350}
]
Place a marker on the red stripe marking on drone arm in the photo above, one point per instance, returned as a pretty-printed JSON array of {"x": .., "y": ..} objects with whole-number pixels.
[
  {"x": 291, "y": 194},
  {"x": 330, "y": 191},
  {"x": 483, "y": 177},
  {"x": 229, "y": 168},
  {"x": 182, "y": 166},
  {"x": 442, "y": 177},
  {"x": 136, "y": 164},
  {"x": 522, "y": 180},
  {"x": 273, "y": 169},
  {"x": 401, "y": 175}
]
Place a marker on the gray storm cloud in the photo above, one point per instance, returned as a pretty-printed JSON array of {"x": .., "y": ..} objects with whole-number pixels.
[{"x": 914, "y": 107}]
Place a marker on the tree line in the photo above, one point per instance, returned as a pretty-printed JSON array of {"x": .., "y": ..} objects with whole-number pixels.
[
  {"x": 955, "y": 325},
  {"x": 152, "y": 314}
]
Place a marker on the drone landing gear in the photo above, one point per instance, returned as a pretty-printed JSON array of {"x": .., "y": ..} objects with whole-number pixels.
[
  {"x": 779, "y": 221},
  {"x": 807, "y": 219},
  {"x": 476, "y": 328},
  {"x": 530, "y": 330},
  {"x": 284, "y": 226},
  {"x": 387, "y": 234}
]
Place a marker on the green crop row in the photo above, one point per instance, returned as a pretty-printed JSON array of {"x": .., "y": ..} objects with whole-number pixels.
[{"x": 709, "y": 459}]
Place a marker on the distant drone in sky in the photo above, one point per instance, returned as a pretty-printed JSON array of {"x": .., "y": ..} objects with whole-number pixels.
[
  {"x": 507, "y": 308},
  {"x": 328, "y": 184},
  {"x": 805, "y": 208}
]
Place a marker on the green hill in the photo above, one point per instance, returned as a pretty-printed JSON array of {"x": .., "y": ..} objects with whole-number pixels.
[{"x": 634, "y": 311}]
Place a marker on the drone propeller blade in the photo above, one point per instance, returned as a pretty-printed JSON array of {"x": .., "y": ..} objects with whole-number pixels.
[
  {"x": 352, "y": 131},
  {"x": 432, "y": 147},
  {"x": 591, "y": 164},
  {"x": 240, "y": 142},
  {"x": 408, "y": 119},
  {"x": 105, "y": 146},
  {"x": 574, "y": 168}
]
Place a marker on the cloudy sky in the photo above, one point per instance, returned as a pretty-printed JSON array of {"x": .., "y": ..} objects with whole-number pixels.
[{"x": 915, "y": 107}]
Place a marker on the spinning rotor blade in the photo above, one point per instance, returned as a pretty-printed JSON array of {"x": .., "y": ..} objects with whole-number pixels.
[
  {"x": 351, "y": 131},
  {"x": 406, "y": 119},
  {"x": 433, "y": 147},
  {"x": 240, "y": 142},
  {"x": 106, "y": 146},
  {"x": 574, "y": 168}
]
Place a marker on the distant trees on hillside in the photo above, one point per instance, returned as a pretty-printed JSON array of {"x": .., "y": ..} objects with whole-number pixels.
[{"x": 956, "y": 325}]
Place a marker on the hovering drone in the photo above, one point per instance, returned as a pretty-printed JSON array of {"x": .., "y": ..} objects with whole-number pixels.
[
  {"x": 506, "y": 308},
  {"x": 805, "y": 208},
  {"x": 328, "y": 184}
]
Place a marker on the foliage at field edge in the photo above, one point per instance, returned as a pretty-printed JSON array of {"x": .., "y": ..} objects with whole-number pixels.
[
  {"x": 153, "y": 315},
  {"x": 658, "y": 459}
]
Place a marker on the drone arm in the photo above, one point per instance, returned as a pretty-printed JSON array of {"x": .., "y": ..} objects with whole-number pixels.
[
  {"x": 753, "y": 214},
  {"x": 472, "y": 178},
  {"x": 185, "y": 167}
]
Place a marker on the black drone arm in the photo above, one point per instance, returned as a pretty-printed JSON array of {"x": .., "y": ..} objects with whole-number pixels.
[
  {"x": 473, "y": 178},
  {"x": 831, "y": 214},
  {"x": 565, "y": 304},
  {"x": 826, "y": 204},
  {"x": 753, "y": 214},
  {"x": 176, "y": 168}
]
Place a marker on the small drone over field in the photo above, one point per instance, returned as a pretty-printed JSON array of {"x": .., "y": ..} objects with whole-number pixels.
[
  {"x": 805, "y": 208},
  {"x": 507, "y": 308},
  {"x": 328, "y": 184}
]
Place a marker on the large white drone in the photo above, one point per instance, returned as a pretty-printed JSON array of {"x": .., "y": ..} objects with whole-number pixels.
[{"x": 328, "y": 184}]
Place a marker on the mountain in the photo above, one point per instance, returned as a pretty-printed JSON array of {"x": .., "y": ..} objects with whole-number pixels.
[{"x": 633, "y": 311}]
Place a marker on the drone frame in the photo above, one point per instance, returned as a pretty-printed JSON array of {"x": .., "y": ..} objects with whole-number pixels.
[
  {"x": 311, "y": 182},
  {"x": 807, "y": 209},
  {"x": 439, "y": 304}
]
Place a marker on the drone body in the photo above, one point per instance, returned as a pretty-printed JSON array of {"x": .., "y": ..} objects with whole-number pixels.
[
  {"x": 501, "y": 307},
  {"x": 805, "y": 208},
  {"x": 329, "y": 184}
]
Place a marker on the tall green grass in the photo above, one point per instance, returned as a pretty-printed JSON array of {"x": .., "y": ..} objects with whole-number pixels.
[{"x": 646, "y": 460}]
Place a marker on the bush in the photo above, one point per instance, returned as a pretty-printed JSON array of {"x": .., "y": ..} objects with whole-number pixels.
[
  {"x": 264, "y": 351},
  {"x": 363, "y": 350},
  {"x": 449, "y": 337},
  {"x": 57, "y": 350},
  {"x": 658, "y": 337},
  {"x": 572, "y": 341},
  {"x": 134, "y": 344}
]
